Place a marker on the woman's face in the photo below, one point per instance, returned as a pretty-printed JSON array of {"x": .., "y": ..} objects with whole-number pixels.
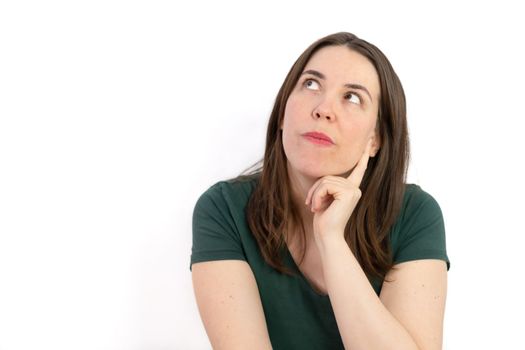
[{"x": 320, "y": 102}]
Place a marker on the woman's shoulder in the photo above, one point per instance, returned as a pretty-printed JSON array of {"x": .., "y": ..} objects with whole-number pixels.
[
  {"x": 234, "y": 191},
  {"x": 419, "y": 232},
  {"x": 415, "y": 197},
  {"x": 419, "y": 208}
]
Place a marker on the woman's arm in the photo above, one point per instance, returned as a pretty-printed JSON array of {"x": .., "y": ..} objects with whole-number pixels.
[
  {"x": 409, "y": 313},
  {"x": 229, "y": 305}
]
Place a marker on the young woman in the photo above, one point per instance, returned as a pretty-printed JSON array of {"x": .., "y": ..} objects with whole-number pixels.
[{"x": 325, "y": 245}]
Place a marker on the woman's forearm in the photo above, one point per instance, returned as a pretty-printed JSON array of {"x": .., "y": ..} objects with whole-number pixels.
[{"x": 363, "y": 321}]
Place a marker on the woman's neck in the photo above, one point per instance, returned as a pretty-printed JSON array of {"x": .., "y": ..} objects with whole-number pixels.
[{"x": 300, "y": 186}]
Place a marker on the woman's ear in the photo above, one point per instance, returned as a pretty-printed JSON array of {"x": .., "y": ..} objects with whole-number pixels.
[{"x": 376, "y": 144}]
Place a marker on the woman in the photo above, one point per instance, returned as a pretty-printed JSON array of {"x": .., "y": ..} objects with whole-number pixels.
[{"x": 325, "y": 246}]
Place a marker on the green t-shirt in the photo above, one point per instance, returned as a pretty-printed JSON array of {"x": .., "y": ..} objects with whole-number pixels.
[{"x": 296, "y": 315}]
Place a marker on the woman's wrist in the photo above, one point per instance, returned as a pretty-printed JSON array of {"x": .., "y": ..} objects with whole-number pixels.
[{"x": 329, "y": 243}]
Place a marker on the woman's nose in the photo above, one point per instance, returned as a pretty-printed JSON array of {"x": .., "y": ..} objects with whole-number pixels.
[{"x": 324, "y": 110}]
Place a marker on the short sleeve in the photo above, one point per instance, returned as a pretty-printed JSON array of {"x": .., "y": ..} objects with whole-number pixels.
[
  {"x": 215, "y": 236},
  {"x": 422, "y": 233}
]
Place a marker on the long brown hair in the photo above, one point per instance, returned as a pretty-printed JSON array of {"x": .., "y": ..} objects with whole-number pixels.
[{"x": 271, "y": 212}]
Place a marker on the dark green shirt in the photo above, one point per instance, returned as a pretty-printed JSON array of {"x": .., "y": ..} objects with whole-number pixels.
[{"x": 296, "y": 315}]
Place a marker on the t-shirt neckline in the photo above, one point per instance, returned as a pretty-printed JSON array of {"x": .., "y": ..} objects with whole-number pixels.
[{"x": 302, "y": 277}]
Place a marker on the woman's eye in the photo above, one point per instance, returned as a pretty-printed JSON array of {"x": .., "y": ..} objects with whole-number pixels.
[
  {"x": 309, "y": 81},
  {"x": 357, "y": 99}
]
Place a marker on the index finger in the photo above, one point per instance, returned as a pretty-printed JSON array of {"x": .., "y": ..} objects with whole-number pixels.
[{"x": 359, "y": 171}]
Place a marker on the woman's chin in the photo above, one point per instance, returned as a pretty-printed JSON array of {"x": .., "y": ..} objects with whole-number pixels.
[{"x": 315, "y": 171}]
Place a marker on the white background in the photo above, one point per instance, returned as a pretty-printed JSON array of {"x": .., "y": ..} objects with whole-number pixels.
[{"x": 116, "y": 115}]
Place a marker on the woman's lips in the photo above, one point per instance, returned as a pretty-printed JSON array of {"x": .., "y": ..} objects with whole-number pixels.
[
  {"x": 318, "y": 141},
  {"x": 318, "y": 135}
]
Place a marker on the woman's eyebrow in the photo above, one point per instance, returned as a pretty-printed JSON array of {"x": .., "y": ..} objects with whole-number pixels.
[{"x": 348, "y": 85}]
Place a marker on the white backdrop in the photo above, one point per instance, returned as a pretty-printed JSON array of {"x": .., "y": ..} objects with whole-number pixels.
[{"x": 116, "y": 115}]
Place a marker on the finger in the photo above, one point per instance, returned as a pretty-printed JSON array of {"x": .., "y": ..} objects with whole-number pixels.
[
  {"x": 321, "y": 195},
  {"x": 312, "y": 189},
  {"x": 316, "y": 185},
  {"x": 357, "y": 174}
]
